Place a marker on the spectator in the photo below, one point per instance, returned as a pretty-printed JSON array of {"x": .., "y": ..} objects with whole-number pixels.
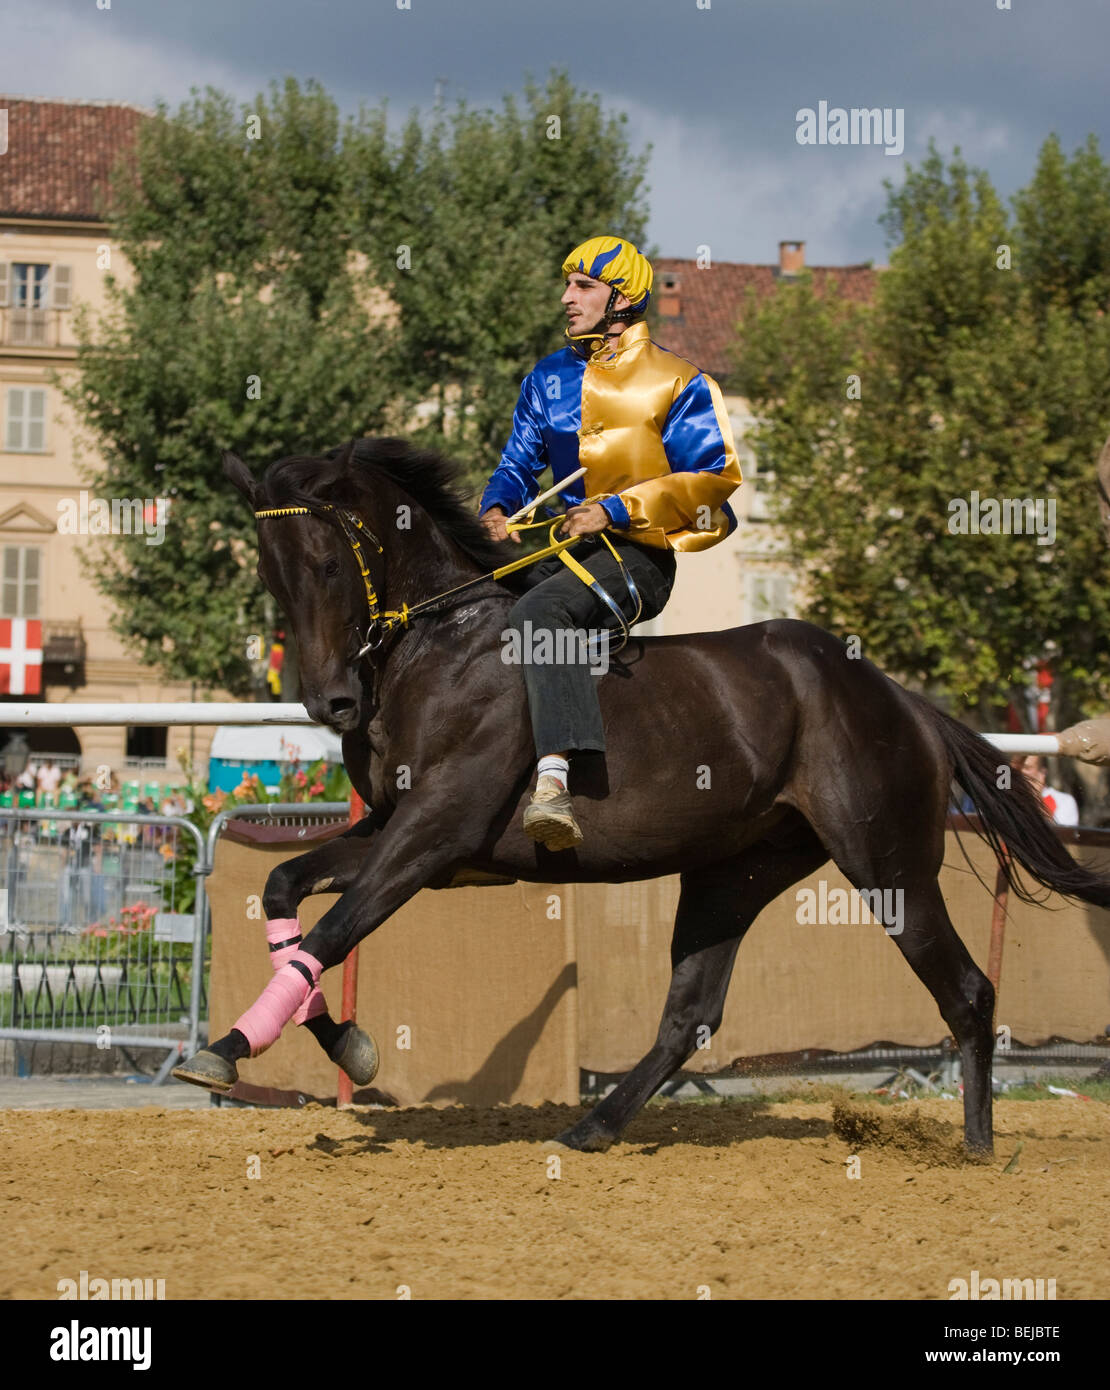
[
  {"x": 49, "y": 778},
  {"x": 1061, "y": 806},
  {"x": 88, "y": 799}
]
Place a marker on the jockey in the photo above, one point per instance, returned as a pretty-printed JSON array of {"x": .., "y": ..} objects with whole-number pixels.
[{"x": 655, "y": 439}]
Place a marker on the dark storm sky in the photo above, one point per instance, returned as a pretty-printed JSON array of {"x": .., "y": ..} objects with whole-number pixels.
[{"x": 715, "y": 90}]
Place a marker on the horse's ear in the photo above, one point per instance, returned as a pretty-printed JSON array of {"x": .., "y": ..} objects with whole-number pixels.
[{"x": 237, "y": 472}]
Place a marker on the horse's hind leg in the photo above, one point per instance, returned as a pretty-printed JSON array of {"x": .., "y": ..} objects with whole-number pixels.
[
  {"x": 715, "y": 909},
  {"x": 898, "y": 854},
  {"x": 964, "y": 996}
]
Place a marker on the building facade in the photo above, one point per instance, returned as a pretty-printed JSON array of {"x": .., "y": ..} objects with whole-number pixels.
[{"x": 54, "y": 252}]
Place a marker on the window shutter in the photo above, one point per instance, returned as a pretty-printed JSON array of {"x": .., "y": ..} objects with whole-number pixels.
[
  {"x": 31, "y": 584},
  {"x": 62, "y": 278},
  {"x": 36, "y": 421},
  {"x": 13, "y": 438},
  {"x": 4, "y": 277},
  {"x": 10, "y": 601}
]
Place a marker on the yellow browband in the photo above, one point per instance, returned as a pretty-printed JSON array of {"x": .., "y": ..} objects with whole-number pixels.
[{"x": 386, "y": 621}]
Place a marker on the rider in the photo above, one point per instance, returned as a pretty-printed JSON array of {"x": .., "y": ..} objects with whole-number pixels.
[{"x": 655, "y": 438}]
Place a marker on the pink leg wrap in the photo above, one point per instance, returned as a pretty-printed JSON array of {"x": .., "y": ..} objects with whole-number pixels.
[
  {"x": 289, "y": 929},
  {"x": 287, "y": 992}
]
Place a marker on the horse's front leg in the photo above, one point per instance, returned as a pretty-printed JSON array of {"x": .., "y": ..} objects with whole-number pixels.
[
  {"x": 331, "y": 868},
  {"x": 419, "y": 844}
]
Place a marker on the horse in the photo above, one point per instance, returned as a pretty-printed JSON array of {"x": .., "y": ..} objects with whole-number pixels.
[{"x": 741, "y": 760}]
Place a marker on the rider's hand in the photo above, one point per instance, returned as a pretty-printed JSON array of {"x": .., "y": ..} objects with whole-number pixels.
[
  {"x": 585, "y": 521},
  {"x": 494, "y": 522}
]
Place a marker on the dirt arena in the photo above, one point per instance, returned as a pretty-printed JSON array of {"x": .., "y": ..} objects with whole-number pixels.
[{"x": 747, "y": 1200}]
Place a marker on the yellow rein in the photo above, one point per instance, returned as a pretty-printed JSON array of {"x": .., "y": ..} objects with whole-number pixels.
[{"x": 386, "y": 620}]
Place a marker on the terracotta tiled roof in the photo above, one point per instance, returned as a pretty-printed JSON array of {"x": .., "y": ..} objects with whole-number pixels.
[
  {"x": 711, "y": 301},
  {"x": 59, "y": 152}
]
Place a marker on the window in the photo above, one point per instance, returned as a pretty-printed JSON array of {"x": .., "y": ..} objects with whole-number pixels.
[
  {"x": 30, "y": 285},
  {"x": 22, "y": 582},
  {"x": 28, "y": 290},
  {"x": 762, "y": 480},
  {"x": 769, "y": 596},
  {"x": 25, "y": 431},
  {"x": 146, "y": 746}
]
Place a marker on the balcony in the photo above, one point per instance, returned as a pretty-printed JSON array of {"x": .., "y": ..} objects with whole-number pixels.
[{"x": 30, "y": 328}]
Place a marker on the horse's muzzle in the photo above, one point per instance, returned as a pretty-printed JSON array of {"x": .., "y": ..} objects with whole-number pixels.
[{"x": 338, "y": 711}]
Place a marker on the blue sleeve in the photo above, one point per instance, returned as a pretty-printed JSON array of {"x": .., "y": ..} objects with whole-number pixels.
[
  {"x": 692, "y": 438},
  {"x": 515, "y": 479},
  {"x": 618, "y": 512}
]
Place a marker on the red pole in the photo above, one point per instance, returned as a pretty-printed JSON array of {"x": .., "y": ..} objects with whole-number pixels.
[{"x": 348, "y": 1009}]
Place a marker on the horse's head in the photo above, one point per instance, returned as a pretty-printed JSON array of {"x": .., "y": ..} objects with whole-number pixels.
[
  {"x": 421, "y": 538},
  {"x": 307, "y": 563}
]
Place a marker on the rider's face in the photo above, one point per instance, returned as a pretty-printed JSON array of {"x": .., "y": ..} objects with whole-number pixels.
[{"x": 585, "y": 299}]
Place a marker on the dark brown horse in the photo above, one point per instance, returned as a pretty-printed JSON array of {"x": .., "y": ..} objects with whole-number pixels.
[{"x": 741, "y": 760}]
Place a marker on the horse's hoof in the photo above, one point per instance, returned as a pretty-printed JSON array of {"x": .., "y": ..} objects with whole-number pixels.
[
  {"x": 589, "y": 1142},
  {"x": 357, "y": 1054},
  {"x": 208, "y": 1070}
]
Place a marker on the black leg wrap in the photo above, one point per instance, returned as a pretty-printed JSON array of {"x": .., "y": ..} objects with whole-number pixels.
[
  {"x": 233, "y": 1048},
  {"x": 327, "y": 1032}
]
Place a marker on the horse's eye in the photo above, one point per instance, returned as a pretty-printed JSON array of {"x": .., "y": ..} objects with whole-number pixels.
[{"x": 331, "y": 569}]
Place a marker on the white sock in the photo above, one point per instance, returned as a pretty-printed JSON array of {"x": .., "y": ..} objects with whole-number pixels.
[{"x": 554, "y": 766}]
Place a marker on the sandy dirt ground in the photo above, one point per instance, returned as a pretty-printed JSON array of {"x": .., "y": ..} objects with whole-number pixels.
[{"x": 744, "y": 1200}]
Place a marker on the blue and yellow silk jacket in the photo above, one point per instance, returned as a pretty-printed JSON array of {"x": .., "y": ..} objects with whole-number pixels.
[{"x": 651, "y": 430}]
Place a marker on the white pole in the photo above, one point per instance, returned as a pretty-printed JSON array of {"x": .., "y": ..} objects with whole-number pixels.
[
  {"x": 72, "y": 715},
  {"x": 1045, "y": 744},
  {"x": 551, "y": 491}
]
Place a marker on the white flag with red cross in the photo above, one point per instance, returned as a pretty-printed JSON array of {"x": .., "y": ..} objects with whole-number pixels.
[{"x": 20, "y": 656}]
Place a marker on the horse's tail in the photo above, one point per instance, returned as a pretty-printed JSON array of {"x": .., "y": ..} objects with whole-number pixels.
[{"x": 1012, "y": 819}]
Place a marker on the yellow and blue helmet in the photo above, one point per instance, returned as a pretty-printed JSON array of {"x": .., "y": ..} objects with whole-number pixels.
[{"x": 617, "y": 263}]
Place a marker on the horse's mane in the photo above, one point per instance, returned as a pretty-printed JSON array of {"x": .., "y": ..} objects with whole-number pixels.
[{"x": 431, "y": 480}]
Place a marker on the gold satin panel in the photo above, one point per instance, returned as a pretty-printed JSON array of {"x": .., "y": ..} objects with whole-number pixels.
[{"x": 626, "y": 398}]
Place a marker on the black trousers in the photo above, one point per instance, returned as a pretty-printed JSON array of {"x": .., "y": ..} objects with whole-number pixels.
[{"x": 562, "y": 692}]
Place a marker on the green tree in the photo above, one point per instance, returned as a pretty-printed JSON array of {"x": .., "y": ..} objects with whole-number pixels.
[
  {"x": 480, "y": 210},
  {"x": 971, "y": 379},
  {"x": 246, "y": 326},
  {"x": 272, "y": 312}
]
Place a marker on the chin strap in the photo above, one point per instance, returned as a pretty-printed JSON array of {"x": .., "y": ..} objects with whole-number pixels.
[{"x": 586, "y": 344}]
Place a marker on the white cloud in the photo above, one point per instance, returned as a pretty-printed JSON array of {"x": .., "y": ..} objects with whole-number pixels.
[
  {"x": 742, "y": 199},
  {"x": 95, "y": 56}
]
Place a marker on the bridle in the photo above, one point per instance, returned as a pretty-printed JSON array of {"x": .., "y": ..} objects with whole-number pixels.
[
  {"x": 384, "y": 621},
  {"x": 352, "y": 525}
]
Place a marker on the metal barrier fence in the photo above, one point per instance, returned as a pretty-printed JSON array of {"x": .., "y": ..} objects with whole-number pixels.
[
  {"x": 103, "y": 938},
  {"x": 101, "y": 934}
]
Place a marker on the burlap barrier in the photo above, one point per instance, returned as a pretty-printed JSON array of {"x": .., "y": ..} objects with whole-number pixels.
[
  {"x": 837, "y": 987},
  {"x": 503, "y": 1002}
]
